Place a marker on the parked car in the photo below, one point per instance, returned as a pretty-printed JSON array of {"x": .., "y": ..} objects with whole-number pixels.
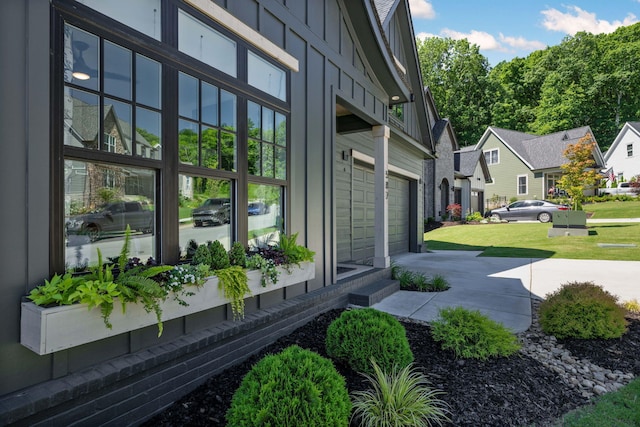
[
  {"x": 541, "y": 210},
  {"x": 257, "y": 208},
  {"x": 622, "y": 188},
  {"x": 214, "y": 211},
  {"x": 111, "y": 218}
]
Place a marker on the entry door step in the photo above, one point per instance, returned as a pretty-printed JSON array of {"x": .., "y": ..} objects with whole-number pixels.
[{"x": 374, "y": 293}]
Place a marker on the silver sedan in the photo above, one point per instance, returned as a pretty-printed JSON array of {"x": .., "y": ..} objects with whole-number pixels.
[{"x": 524, "y": 210}]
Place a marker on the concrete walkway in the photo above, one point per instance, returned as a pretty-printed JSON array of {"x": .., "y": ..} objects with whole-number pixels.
[{"x": 501, "y": 287}]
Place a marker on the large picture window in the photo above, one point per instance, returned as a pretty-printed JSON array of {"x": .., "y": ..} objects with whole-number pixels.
[{"x": 135, "y": 121}]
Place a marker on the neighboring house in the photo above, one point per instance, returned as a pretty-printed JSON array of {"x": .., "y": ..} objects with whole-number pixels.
[
  {"x": 526, "y": 166},
  {"x": 623, "y": 156},
  {"x": 439, "y": 172},
  {"x": 313, "y": 107},
  {"x": 472, "y": 173}
]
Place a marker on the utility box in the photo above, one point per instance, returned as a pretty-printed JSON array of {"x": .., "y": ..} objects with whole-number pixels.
[{"x": 569, "y": 223}]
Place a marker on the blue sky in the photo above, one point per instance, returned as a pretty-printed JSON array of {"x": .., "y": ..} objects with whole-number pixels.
[{"x": 505, "y": 29}]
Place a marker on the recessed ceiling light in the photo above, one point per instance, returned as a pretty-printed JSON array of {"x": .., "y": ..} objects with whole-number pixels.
[
  {"x": 80, "y": 75},
  {"x": 395, "y": 97}
]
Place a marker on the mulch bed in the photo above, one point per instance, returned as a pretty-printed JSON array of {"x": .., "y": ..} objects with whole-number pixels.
[{"x": 512, "y": 391}]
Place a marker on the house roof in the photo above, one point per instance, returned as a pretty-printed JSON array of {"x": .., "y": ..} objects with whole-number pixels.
[
  {"x": 542, "y": 152},
  {"x": 628, "y": 126},
  {"x": 466, "y": 159},
  {"x": 384, "y": 7}
]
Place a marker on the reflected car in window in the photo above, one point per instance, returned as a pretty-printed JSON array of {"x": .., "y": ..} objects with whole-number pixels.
[
  {"x": 257, "y": 208},
  {"x": 527, "y": 210},
  {"x": 214, "y": 211}
]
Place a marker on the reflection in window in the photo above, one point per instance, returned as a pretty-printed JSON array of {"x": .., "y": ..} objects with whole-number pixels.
[
  {"x": 205, "y": 211},
  {"x": 87, "y": 88},
  {"x": 266, "y": 210},
  {"x": 206, "y": 44},
  {"x": 141, "y": 15},
  {"x": 100, "y": 201},
  {"x": 267, "y": 154},
  {"x": 207, "y": 126},
  {"x": 267, "y": 77}
]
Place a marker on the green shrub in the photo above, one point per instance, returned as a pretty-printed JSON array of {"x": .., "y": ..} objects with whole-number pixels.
[
  {"x": 472, "y": 335},
  {"x": 295, "y": 387},
  {"x": 406, "y": 278},
  {"x": 361, "y": 334},
  {"x": 582, "y": 310},
  {"x": 219, "y": 256},
  {"x": 191, "y": 248},
  {"x": 238, "y": 255},
  {"x": 438, "y": 284},
  {"x": 474, "y": 217},
  {"x": 401, "y": 398},
  {"x": 201, "y": 256}
]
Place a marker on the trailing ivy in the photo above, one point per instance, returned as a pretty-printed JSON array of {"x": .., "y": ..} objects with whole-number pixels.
[{"x": 234, "y": 284}]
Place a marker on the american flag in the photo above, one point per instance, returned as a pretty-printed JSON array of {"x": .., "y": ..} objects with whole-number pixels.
[{"x": 610, "y": 174}]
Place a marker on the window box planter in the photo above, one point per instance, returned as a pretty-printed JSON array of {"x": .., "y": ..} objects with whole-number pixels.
[{"x": 47, "y": 330}]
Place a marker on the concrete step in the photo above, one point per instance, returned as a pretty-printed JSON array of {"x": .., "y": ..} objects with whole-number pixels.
[{"x": 374, "y": 293}]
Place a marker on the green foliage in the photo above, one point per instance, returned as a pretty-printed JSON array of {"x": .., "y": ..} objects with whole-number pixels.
[
  {"x": 474, "y": 217},
  {"x": 361, "y": 334},
  {"x": 238, "y": 255},
  {"x": 579, "y": 172},
  {"x": 181, "y": 277},
  {"x": 418, "y": 281},
  {"x": 402, "y": 397},
  {"x": 56, "y": 291},
  {"x": 632, "y": 306},
  {"x": 219, "y": 256},
  {"x": 96, "y": 293},
  {"x": 294, "y": 253},
  {"x": 582, "y": 310},
  {"x": 472, "y": 335},
  {"x": 267, "y": 267},
  {"x": 295, "y": 387},
  {"x": 202, "y": 255},
  {"x": 233, "y": 282}
]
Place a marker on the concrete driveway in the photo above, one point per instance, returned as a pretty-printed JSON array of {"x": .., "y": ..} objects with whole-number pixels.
[{"x": 501, "y": 287}]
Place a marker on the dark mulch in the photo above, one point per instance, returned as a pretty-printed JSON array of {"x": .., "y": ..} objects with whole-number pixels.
[{"x": 512, "y": 391}]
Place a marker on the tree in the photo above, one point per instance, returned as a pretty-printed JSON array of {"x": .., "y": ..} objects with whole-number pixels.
[
  {"x": 579, "y": 172},
  {"x": 457, "y": 74}
]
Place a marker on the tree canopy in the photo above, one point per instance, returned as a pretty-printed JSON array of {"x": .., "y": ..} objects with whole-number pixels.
[{"x": 585, "y": 80}]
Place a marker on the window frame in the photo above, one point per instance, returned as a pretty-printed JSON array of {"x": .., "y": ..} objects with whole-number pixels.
[
  {"x": 526, "y": 185},
  {"x": 167, "y": 169},
  {"x": 630, "y": 150},
  {"x": 490, "y": 152}
]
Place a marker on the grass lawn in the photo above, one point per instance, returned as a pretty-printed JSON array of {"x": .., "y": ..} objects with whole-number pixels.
[
  {"x": 621, "y": 408},
  {"x": 530, "y": 241},
  {"x": 628, "y": 209}
]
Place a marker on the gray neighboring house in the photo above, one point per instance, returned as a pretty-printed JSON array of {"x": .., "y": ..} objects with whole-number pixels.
[
  {"x": 472, "y": 174},
  {"x": 439, "y": 172},
  {"x": 314, "y": 107},
  {"x": 527, "y": 166}
]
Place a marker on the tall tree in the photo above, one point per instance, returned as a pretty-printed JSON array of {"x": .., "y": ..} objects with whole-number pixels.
[{"x": 456, "y": 72}]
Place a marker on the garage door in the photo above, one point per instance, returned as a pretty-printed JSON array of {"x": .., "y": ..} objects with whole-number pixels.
[
  {"x": 363, "y": 214},
  {"x": 398, "y": 215}
]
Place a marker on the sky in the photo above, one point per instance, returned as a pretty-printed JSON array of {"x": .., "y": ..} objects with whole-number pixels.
[{"x": 505, "y": 29}]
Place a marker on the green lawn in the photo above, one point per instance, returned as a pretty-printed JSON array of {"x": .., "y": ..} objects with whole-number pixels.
[
  {"x": 621, "y": 408},
  {"x": 629, "y": 209}
]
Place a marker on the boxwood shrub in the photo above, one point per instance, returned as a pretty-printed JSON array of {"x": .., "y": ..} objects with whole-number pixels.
[
  {"x": 359, "y": 335},
  {"x": 295, "y": 387},
  {"x": 582, "y": 310}
]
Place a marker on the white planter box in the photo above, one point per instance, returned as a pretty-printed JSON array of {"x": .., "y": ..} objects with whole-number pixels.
[{"x": 47, "y": 330}]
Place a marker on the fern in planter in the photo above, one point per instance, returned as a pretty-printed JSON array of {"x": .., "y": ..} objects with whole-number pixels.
[
  {"x": 293, "y": 252},
  {"x": 233, "y": 282}
]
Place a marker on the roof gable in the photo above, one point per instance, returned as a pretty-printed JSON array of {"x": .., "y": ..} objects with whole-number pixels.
[{"x": 628, "y": 127}]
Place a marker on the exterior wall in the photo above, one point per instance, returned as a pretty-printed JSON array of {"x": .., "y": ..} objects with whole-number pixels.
[
  {"x": 444, "y": 170},
  {"x": 332, "y": 64},
  {"x": 620, "y": 162},
  {"x": 505, "y": 174}
]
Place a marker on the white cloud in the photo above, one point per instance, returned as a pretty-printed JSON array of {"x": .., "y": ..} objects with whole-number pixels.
[
  {"x": 422, "y": 35},
  {"x": 421, "y": 9},
  {"x": 522, "y": 43},
  {"x": 485, "y": 40},
  {"x": 576, "y": 19}
]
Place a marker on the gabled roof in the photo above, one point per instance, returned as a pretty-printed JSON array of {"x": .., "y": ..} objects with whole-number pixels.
[
  {"x": 384, "y": 8},
  {"x": 628, "y": 127},
  {"x": 466, "y": 159},
  {"x": 541, "y": 152}
]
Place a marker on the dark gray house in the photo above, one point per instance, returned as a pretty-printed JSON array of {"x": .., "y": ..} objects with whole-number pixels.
[{"x": 313, "y": 108}]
